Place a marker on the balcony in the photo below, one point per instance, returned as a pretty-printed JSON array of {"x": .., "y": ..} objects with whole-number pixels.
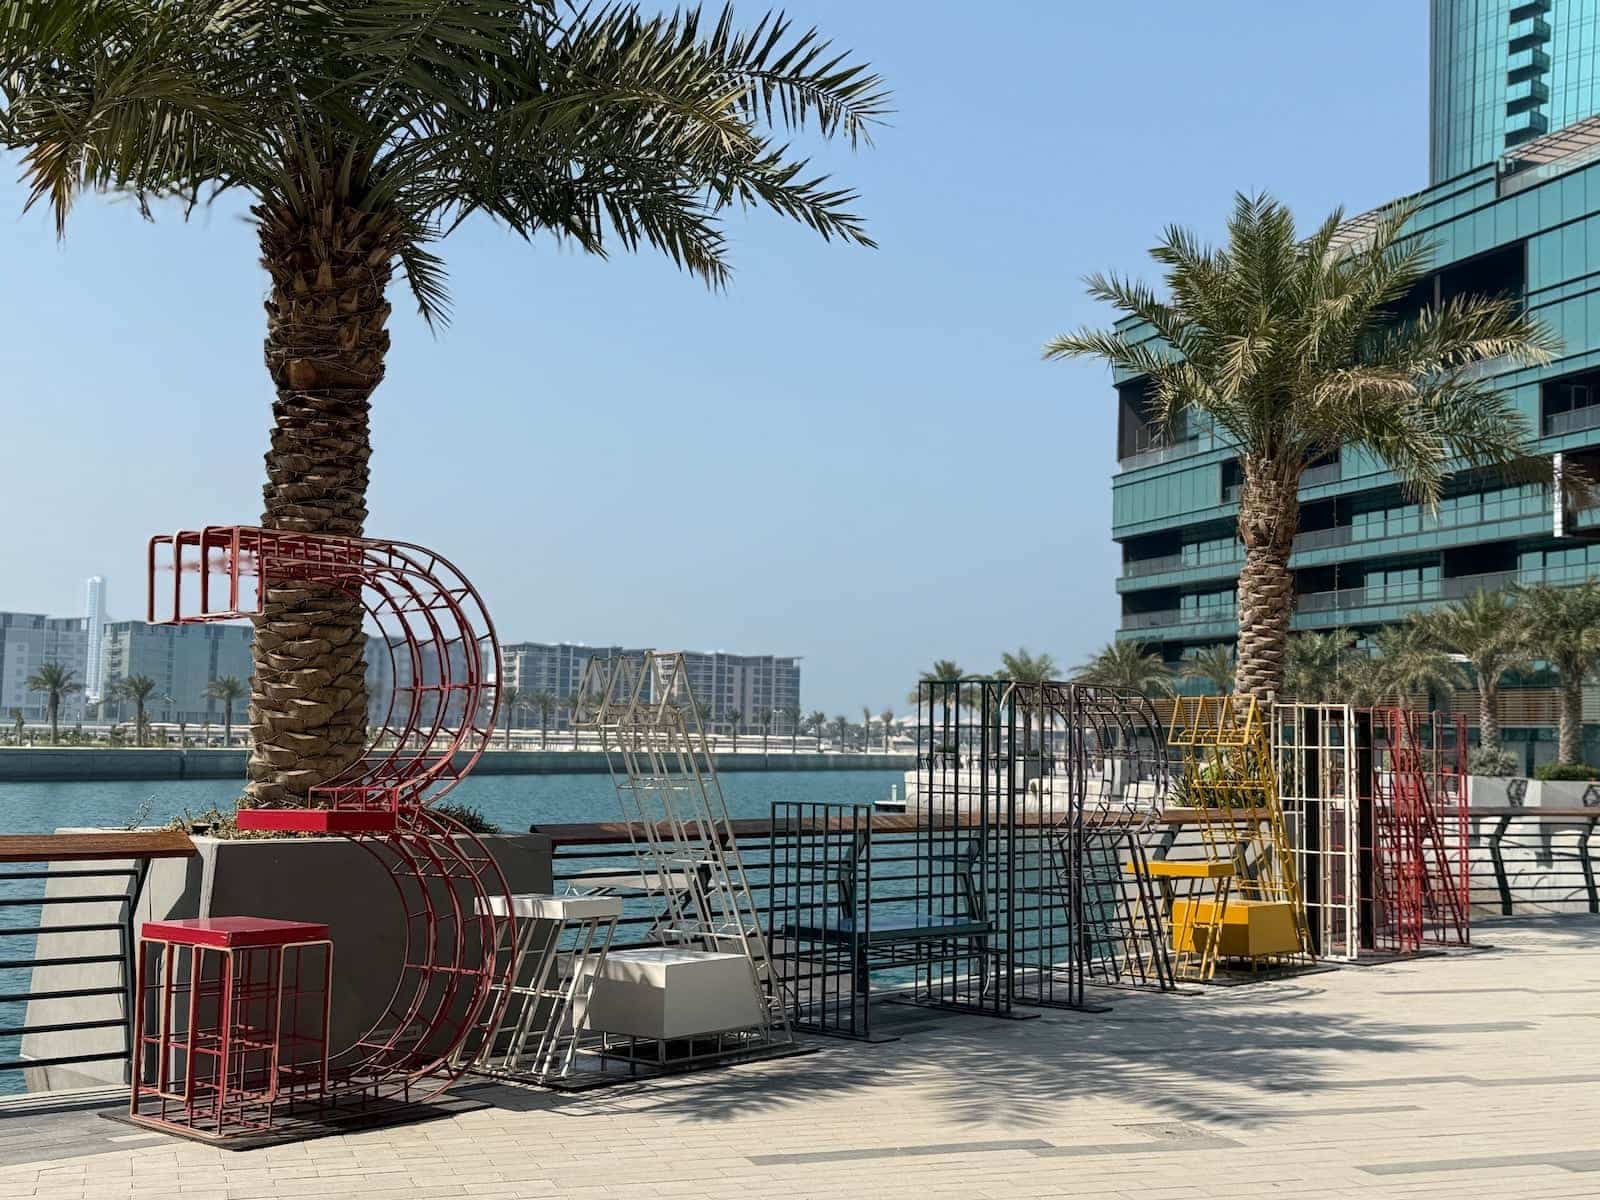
[
  {"x": 1524, "y": 63},
  {"x": 1575, "y": 421},
  {"x": 1157, "y": 454},
  {"x": 1524, "y": 33}
]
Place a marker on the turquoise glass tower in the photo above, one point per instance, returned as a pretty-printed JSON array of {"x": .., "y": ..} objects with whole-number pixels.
[{"x": 1503, "y": 72}]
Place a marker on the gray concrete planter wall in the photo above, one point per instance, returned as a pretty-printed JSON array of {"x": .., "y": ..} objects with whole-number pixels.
[{"x": 312, "y": 879}]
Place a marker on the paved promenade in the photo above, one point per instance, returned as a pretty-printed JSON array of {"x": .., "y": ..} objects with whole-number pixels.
[{"x": 1476, "y": 1075}]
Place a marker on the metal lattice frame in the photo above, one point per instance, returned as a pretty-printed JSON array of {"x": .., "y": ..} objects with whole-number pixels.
[
  {"x": 444, "y": 660},
  {"x": 1315, "y": 753},
  {"x": 1230, "y": 786},
  {"x": 1415, "y": 832},
  {"x": 648, "y": 723},
  {"x": 1094, "y": 778}
]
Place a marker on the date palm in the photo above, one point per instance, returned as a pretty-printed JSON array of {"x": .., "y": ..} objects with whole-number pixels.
[
  {"x": 866, "y": 728},
  {"x": 1564, "y": 629},
  {"x": 1321, "y": 666},
  {"x": 512, "y": 701},
  {"x": 1028, "y": 671},
  {"x": 57, "y": 683},
  {"x": 887, "y": 717},
  {"x": 227, "y": 690},
  {"x": 818, "y": 721},
  {"x": 137, "y": 689},
  {"x": 1405, "y": 662},
  {"x": 841, "y": 728},
  {"x": 764, "y": 721},
  {"x": 1126, "y": 665},
  {"x": 793, "y": 717},
  {"x": 1213, "y": 665},
  {"x": 943, "y": 670},
  {"x": 734, "y": 718},
  {"x": 362, "y": 132},
  {"x": 1490, "y": 630},
  {"x": 1292, "y": 348},
  {"x": 544, "y": 703}
]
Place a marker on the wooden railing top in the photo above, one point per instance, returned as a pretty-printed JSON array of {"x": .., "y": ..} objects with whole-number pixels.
[
  {"x": 94, "y": 847},
  {"x": 1565, "y": 814}
]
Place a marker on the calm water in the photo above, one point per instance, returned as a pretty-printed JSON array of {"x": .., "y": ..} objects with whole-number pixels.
[{"x": 511, "y": 801}]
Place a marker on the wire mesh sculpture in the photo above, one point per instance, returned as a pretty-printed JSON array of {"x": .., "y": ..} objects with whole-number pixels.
[
  {"x": 1242, "y": 900},
  {"x": 444, "y": 659},
  {"x": 1415, "y": 832},
  {"x": 1315, "y": 752},
  {"x": 648, "y": 723},
  {"x": 1091, "y": 767}
]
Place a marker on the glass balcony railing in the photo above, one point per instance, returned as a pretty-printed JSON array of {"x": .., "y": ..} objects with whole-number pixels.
[{"x": 1575, "y": 421}]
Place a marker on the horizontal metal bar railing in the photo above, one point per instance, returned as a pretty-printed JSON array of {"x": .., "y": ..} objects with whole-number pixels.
[{"x": 38, "y": 889}]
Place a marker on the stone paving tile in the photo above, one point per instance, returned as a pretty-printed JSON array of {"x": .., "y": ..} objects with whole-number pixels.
[{"x": 1440, "y": 1078}]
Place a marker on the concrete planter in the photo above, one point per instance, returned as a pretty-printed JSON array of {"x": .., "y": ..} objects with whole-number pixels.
[{"x": 311, "y": 879}]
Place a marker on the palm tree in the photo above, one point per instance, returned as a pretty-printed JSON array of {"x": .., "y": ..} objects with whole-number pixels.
[
  {"x": 57, "y": 683},
  {"x": 571, "y": 705},
  {"x": 1405, "y": 662},
  {"x": 818, "y": 721},
  {"x": 944, "y": 670},
  {"x": 764, "y": 720},
  {"x": 137, "y": 688},
  {"x": 792, "y": 715},
  {"x": 1294, "y": 349},
  {"x": 1213, "y": 665},
  {"x": 866, "y": 728},
  {"x": 362, "y": 134},
  {"x": 16, "y": 726},
  {"x": 1126, "y": 665},
  {"x": 734, "y": 717},
  {"x": 887, "y": 717},
  {"x": 545, "y": 703},
  {"x": 1564, "y": 629},
  {"x": 512, "y": 700},
  {"x": 1322, "y": 667},
  {"x": 1490, "y": 631},
  {"x": 841, "y": 728},
  {"x": 227, "y": 691},
  {"x": 1028, "y": 671}
]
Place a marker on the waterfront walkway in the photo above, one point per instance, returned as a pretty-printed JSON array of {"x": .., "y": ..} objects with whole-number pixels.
[{"x": 1472, "y": 1075}]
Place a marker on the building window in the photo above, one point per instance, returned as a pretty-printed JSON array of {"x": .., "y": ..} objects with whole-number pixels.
[{"x": 1571, "y": 403}]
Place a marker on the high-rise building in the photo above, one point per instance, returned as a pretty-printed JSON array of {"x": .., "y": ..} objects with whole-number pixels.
[
  {"x": 27, "y": 642},
  {"x": 95, "y": 629},
  {"x": 182, "y": 660},
  {"x": 552, "y": 667},
  {"x": 747, "y": 684},
  {"x": 1503, "y": 72},
  {"x": 1526, "y": 225}
]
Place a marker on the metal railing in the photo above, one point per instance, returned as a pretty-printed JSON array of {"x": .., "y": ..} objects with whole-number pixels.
[
  {"x": 1547, "y": 851},
  {"x": 41, "y": 899},
  {"x": 1574, "y": 421}
]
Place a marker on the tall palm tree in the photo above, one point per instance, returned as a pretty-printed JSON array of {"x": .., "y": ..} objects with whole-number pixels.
[
  {"x": 544, "y": 703},
  {"x": 57, "y": 683},
  {"x": 792, "y": 715},
  {"x": 1292, "y": 348},
  {"x": 841, "y": 729},
  {"x": 1322, "y": 667},
  {"x": 17, "y": 726},
  {"x": 887, "y": 717},
  {"x": 570, "y": 703},
  {"x": 227, "y": 690},
  {"x": 1564, "y": 629},
  {"x": 1028, "y": 671},
  {"x": 137, "y": 689},
  {"x": 866, "y": 728},
  {"x": 944, "y": 670},
  {"x": 1126, "y": 665},
  {"x": 764, "y": 720},
  {"x": 1405, "y": 662},
  {"x": 512, "y": 701},
  {"x": 1213, "y": 665},
  {"x": 734, "y": 718},
  {"x": 818, "y": 721},
  {"x": 1491, "y": 631},
  {"x": 364, "y": 131}
]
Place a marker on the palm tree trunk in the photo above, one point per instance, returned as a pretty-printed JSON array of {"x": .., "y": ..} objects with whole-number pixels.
[
  {"x": 544, "y": 731},
  {"x": 1488, "y": 715},
  {"x": 227, "y": 725},
  {"x": 1269, "y": 514},
  {"x": 325, "y": 350},
  {"x": 55, "y": 726},
  {"x": 1569, "y": 733}
]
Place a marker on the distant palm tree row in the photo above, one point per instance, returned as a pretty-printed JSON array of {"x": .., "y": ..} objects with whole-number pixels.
[
  {"x": 1479, "y": 641},
  {"x": 57, "y": 683}
]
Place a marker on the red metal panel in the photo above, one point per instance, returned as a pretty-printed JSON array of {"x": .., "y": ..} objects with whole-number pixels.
[{"x": 226, "y": 932}]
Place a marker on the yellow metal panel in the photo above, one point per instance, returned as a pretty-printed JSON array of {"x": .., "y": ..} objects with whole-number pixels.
[
  {"x": 1162, "y": 869},
  {"x": 1249, "y": 928}
]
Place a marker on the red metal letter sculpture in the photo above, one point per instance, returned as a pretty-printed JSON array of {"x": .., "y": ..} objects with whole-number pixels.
[{"x": 443, "y": 659}]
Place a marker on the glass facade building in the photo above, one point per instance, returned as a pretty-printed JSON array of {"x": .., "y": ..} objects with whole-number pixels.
[
  {"x": 1365, "y": 554},
  {"x": 1504, "y": 72}
]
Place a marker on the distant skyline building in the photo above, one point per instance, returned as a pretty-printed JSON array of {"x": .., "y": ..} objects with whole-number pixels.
[
  {"x": 95, "y": 629},
  {"x": 27, "y": 642},
  {"x": 1503, "y": 72},
  {"x": 748, "y": 684},
  {"x": 182, "y": 660}
]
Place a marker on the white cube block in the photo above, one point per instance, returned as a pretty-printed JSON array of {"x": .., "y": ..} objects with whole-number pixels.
[{"x": 664, "y": 992}]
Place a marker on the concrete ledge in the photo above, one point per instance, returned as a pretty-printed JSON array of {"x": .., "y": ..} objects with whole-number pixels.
[{"x": 79, "y": 764}]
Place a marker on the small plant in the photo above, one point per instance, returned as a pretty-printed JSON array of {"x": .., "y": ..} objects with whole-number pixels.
[
  {"x": 1498, "y": 764},
  {"x": 1566, "y": 773},
  {"x": 464, "y": 815}
]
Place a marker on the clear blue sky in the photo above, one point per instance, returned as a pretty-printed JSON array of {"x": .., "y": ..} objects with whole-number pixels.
[{"x": 856, "y": 456}]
